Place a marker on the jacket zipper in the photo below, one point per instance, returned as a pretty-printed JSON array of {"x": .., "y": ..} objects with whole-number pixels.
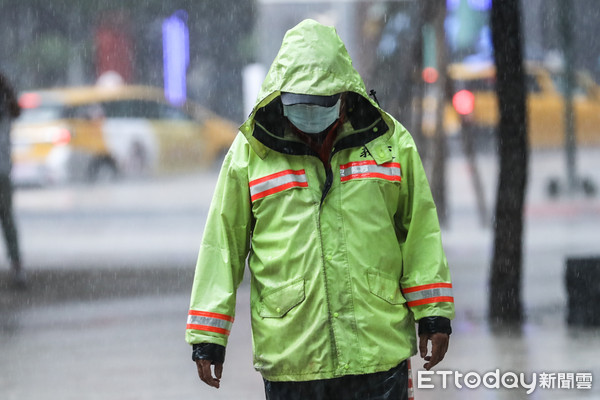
[
  {"x": 326, "y": 287},
  {"x": 328, "y": 181},
  {"x": 328, "y": 175}
]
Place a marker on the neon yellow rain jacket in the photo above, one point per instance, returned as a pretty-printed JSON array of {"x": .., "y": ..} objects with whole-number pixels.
[{"x": 343, "y": 258}]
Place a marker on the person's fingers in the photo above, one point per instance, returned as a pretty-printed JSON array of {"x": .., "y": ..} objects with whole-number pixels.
[
  {"x": 200, "y": 371},
  {"x": 423, "y": 345},
  {"x": 434, "y": 359},
  {"x": 205, "y": 374},
  {"x": 209, "y": 379},
  {"x": 439, "y": 346},
  {"x": 219, "y": 370},
  {"x": 446, "y": 345}
]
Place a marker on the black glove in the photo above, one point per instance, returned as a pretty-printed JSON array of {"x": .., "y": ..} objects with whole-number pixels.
[
  {"x": 434, "y": 325},
  {"x": 209, "y": 351}
]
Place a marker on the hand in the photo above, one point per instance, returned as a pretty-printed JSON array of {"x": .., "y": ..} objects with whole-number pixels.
[
  {"x": 439, "y": 346},
  {"x": 205, "y": 373}
]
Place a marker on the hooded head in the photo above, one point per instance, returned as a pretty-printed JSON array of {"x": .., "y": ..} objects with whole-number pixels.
[{"x": 312, "y": 61}]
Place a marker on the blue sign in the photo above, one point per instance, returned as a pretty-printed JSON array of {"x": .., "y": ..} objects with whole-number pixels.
[
  {"x": 477, "y": 5},
  {"x": 176, "y": 57}
]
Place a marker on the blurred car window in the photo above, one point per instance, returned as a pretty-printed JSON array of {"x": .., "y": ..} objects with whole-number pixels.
[
  {"x": 560, "y": 85},
  {"x": 71, "y": 134},
  {"x": 168, "y": 112},
  {"x": 531, "y": 84},
  {"x": 545, "y": 101},
  {"x": 42, "y": 113},
  {"x": 132, "y": 109}
]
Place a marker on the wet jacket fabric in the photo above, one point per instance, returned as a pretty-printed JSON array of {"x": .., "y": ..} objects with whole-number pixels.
[{"x": 343, "y": 256}]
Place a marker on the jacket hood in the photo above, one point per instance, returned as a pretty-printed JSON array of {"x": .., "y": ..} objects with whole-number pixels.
[{"x": 312, "y": 60}]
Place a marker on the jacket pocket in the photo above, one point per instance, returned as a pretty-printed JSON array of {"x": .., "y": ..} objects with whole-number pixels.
[
  {"x": 385, "y": 287},
  {"x": 279, "y": 301}
]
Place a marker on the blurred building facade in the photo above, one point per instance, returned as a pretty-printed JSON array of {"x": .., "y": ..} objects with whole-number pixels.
[
  {"x": 58, "y": 43},
  {"x": 67, "y": 43}
]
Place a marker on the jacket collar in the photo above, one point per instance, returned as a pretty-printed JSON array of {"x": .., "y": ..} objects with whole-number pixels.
[{"x": 366, "y": 126}]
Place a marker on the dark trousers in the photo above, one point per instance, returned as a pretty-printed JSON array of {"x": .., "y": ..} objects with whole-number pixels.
[
  {"x": 8, "y": 221},
  {"x": 388, "y": 385}
]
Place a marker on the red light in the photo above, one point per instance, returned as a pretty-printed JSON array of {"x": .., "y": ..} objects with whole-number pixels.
[
  {"x": 63, "y": 136},
  {"x": 463, "y": 102},
  {"x": 29, "y": 100},
  {"x": 430, "y": 75}
]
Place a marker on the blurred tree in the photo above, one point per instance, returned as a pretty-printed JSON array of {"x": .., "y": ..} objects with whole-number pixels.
[{"x": 505, "y": 278}]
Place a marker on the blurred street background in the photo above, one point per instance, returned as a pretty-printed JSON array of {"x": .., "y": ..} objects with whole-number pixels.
[
  {"x": 105, "y": 312},
  {"x": 110, "y": 262}
]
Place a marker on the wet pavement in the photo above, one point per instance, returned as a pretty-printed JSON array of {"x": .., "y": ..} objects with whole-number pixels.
[{"x": 110, "y": 272}]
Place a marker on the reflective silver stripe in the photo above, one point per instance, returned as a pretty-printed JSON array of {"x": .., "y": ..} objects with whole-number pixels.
[
  {"x": 358, "y": 168},
  {"x": 428, "y": 293},
  {"x": 270, "y": 185},
  {"x": 208, "y": 321}
]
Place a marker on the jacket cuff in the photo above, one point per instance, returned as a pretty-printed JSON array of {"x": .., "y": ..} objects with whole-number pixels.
[
  {"x": 434, "y": 325},
  {"x": 208, "y": 351}
]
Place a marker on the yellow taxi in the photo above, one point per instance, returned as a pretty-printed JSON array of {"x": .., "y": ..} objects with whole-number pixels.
[
  {"x": 474, "y": 99},
  {"x": 97, "y": 133}
]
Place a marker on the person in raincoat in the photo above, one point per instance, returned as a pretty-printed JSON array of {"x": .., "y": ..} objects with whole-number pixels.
[
  {"x": 325, "y": 196},
  {"x": 9, "y": 109}
]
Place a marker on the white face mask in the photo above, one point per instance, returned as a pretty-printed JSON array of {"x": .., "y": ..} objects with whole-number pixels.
[{"x": 310, "y": 118}]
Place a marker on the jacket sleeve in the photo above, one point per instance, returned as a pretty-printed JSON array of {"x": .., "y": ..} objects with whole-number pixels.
[
  {"x": 222, "y": 255},
  {"x": 425, "y": 280}
]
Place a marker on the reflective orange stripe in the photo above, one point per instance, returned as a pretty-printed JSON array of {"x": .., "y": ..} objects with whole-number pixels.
[
  {"x": 211, "y": 315},
  {"x": 276, "y": 183},
  {"x": 208, "y": 329},
  {"x": 370, "y": 162},
  {"x": 209, "y": 321},
  {"x": 429, "y": 300},
  {"x": 390, "y": 171},
  {"x": 426, "y": 294},
  {"x": 424, "y": 287}
]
